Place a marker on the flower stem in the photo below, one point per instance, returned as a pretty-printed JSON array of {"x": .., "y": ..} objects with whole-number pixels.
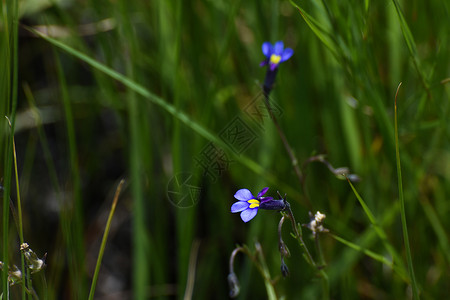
[
  {"x": 299, "y": 236},
  {"x": 319, "y": 250},
  {"x": 323, "y": 274},
  {"x": 267, "y": 89}
]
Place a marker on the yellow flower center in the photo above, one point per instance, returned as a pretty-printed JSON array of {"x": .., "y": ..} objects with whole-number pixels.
[
  {"x": 253, "y": 203},
  {"x": 275, "y": 59}
]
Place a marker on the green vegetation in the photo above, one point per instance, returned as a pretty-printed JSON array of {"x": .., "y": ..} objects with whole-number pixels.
[{"x": 152, "y": 92}]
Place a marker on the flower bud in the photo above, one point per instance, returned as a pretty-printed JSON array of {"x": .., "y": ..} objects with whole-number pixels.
[
  {"x": 273, "y": 205},
  {"x": 284, "y": 269}
]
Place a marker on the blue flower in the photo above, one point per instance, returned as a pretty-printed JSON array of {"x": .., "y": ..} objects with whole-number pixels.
[
  {"x": 275, "y": 54},
  {"x": 248, "y": 204}
]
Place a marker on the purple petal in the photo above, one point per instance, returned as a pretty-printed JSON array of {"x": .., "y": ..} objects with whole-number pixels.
[
  {"x": 265, "y": 199},
  {"x": 278, "y": 49},
  {"x": 239, "y": 206},
  {"x": 243, "y": 195},
  {"x": 248, "y": 214},
  {"x": 263, "y": 191},
  {"x": 267, "y": 49},
  {"x": 263, "y": 63},
  {"x": 273, "y": 66},
  {"x": 287, "y": 53}
]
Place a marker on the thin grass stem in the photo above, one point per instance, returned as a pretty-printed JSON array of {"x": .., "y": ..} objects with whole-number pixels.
[
  {"x": 104, "y": 239},
  {"x": 19, "y": 213}
]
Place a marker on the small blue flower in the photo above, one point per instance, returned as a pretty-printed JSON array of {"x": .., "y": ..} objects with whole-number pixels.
[
  {"x": 248, "y": 204},
  {"x": 275, "y": 54}
]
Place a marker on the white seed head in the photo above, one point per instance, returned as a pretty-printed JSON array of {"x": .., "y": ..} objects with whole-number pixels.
[
  {"x": 319, "y": 217},
  {"x": 24, "y": 246}
]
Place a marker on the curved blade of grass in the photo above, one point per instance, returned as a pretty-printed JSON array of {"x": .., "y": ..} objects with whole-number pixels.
[
  {"x": 104, "y": 239},
  {"x": 348, "y": 257},
  {"x": 318, "y": 29},
  {"x": 249, "y": 163},
  {"x": 415, "y": 289},
  {"x": 378, "y": 229},
  {"x": 374, "y": 256}
]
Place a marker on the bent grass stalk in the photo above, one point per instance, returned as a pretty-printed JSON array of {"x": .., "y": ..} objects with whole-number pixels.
[
  {"x": 266, "y": 274},
  {"x": 258, "y": 260},
  {"x": 104, "y": 239}
]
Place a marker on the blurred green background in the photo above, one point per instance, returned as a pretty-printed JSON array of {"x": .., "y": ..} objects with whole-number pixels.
[{"x": 151, "y": 92}]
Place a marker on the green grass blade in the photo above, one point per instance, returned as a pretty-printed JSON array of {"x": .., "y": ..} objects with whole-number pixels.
[
  {"x": 9, "y": 49},
  {"x": 366, "y": 5},
  {"x": 412, "y": 276},
  {"x": 378, "y": 229},
  {"x": 141, "y": 261},
  {"x": 366, "y": 209},
  {"x": 42, "y": 138},
  {"x": 367, "y": 252},
  {"x": 140, "y": 250},
  {"x": 373, "y": 255},
  {"x": 76, "y": 223},
  {"x": 438, "y": 228},
  {"x": 409, "y": 39}
]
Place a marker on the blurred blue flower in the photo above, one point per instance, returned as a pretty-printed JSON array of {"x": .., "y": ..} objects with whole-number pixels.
[
  {"x": 275, "y": 54},
  {"x": 248, "y": 204}
]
